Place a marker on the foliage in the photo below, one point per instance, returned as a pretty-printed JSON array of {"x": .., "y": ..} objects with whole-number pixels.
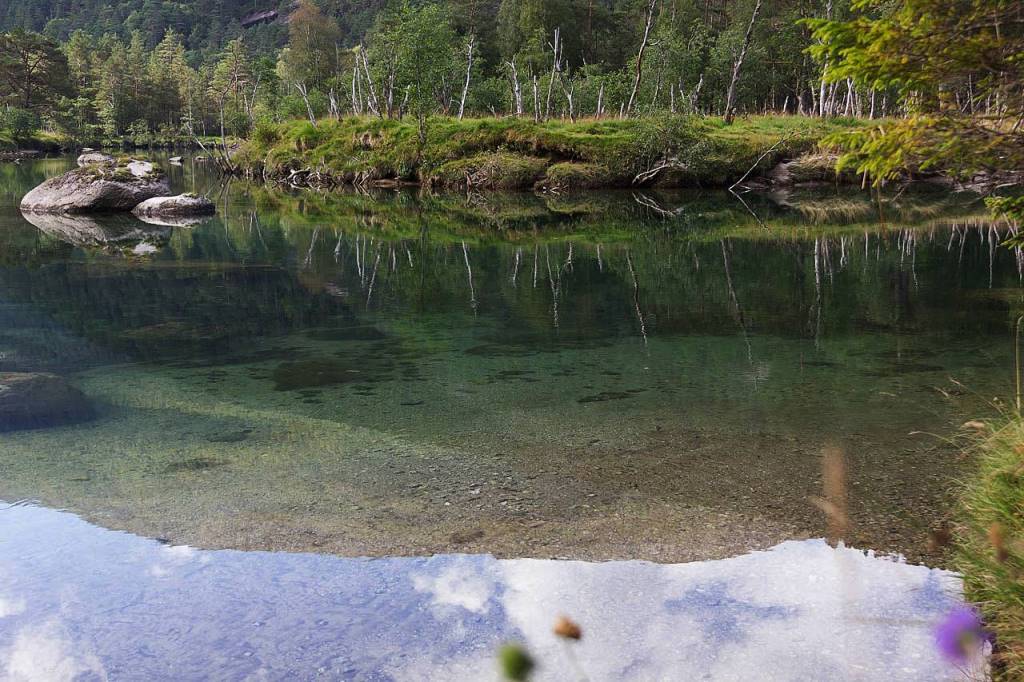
[
  {"x": 990, "y": 542},
  {"x": 1011, "y": 208},
  {"x": 33, "y": 71},
  {"x": 21, "y": 123},
  {"x": 957, "y": 66},
  {"x": 311, "y": 56},
  {"x": 420, "y": 44},
  {"x": 416, "y": 58}
]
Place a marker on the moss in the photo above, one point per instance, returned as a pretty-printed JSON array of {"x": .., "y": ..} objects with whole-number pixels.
[
  {"x": 571, "y": 175},
  {"x": 990, "y": 542},
  {"x": 606, "y": 152},
  {"x": 41, "y": 140},
  {"x": 118, "y": 171},
  {"x": 497, "y": 170}
]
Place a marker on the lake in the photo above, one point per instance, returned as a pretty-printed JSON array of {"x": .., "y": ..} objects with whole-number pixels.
[{"x": 616, "y": 375}]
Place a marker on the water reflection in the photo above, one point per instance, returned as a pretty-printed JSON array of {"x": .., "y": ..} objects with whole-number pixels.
[
  {"x": 81, "y": 230},
  {"x": 596, "y": 376},
  {"x": 79, "y": 602}
]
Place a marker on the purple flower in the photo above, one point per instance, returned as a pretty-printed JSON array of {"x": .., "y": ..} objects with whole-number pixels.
[{"x": 960, "y": 634}]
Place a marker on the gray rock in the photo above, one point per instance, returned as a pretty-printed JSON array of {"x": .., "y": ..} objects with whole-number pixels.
[
  {"x": 90, "y": 157},
  {"x": 176, "y": 160},
  {"x": 34, "y": 400},
  {"x": 87, "y": 231},
  {"x": 142, "y": 169},
  {"x": 98, "y": 187},
  {"x": 183, "y": 205}
]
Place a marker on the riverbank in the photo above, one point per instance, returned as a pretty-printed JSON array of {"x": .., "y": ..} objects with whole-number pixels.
[
  {"x": 522, "y": 154},
  {"x": 990, "y": 542},
  {"x": 37, "y": 144},
  {"x": 44, "y": 143}
]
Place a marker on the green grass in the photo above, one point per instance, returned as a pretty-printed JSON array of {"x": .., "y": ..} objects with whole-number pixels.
[
  {"x": 40, "y": 141},
  {"x": 512, "y": 153},
  {"x": 990, "y": 542}
]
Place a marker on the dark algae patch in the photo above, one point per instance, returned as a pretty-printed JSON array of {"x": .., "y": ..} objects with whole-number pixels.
[
  {"x": 605, "y": 396},
  {"x": 194, "y": 464},
  {"x": 293, "y": 376},
  {"x": 347, "y": 334}
]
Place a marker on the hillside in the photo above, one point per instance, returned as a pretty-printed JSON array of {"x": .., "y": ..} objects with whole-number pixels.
[{"x": 207, "y": 25}]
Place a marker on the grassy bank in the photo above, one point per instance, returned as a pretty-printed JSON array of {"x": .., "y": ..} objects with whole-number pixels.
[
  {"x": 990, "y": 543},
  {"x": 520, "y": 154},
  {"x": 40, "y": 141},
  {"x": 54, "y": 143}
]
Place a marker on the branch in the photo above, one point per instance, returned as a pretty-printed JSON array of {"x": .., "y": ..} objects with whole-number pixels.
[{"x": 761, "y": 158}]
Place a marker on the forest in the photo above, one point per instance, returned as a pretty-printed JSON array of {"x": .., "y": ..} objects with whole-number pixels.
[
  {"x": 138, "y": 69},
  {"x": 148, "y": 72}
]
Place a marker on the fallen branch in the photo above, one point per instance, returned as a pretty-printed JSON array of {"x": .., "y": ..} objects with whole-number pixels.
[
  {"x": 649, "y": 174},
  {"x": 760, "y": 159}
]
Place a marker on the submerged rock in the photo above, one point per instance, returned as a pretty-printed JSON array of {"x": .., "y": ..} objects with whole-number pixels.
[
  {"x": 98, "y": 187},
  {"x": 32, "y": 400},
  {"x": 181, "y": 206},
  {"x": 90, "y": 157},
  {"x": 88, "y": 231}
]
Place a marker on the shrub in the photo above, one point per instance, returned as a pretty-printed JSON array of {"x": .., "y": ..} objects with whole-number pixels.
[
  {"x": 21, "y": 123},
  {"x": 265, "y": 134}
]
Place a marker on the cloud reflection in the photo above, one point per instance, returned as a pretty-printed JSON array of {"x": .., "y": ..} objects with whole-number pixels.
[
  {"x": 44, "y": 653},
  {"x": 803, "y": 610}
]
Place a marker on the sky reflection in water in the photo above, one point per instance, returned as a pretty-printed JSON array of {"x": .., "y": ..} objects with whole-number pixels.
[{"x": 80, "y": 602}]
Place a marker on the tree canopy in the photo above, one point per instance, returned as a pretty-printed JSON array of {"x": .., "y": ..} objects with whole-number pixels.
[{"x": 958, "y": 65}]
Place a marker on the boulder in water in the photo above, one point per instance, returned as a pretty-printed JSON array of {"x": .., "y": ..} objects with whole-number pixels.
[
  {"x": 34, "y": 400},
  {"x": 98, "y": 187},
  {"x": 176, "y": 160},
  {"x": 181, "y": 206}
]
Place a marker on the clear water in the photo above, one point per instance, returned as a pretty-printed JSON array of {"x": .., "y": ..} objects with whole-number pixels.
[{"x": 599, "y": 376}]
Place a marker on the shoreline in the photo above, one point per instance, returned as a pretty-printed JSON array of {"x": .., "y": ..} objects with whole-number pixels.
[{"x": 552, "y": 156}]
